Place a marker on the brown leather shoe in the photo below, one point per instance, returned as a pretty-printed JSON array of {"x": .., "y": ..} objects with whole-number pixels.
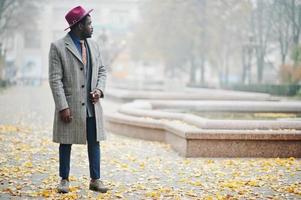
[{"x": 98, "y": 186}]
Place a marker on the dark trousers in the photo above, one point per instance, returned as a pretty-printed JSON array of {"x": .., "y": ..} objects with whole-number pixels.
[{"x": 93, "y": 153}]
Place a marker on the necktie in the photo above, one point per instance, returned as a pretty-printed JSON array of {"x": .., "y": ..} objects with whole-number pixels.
[{"x": 84, "y": 52}]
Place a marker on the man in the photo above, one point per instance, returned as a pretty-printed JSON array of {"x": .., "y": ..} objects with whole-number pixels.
[{"x": 77, "y": 80}]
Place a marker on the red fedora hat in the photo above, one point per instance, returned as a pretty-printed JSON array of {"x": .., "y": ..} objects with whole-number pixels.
[{"x": 75, "y": 15}]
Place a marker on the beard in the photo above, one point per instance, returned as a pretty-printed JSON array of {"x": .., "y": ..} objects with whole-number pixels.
[{"x": 88, "y": 34}]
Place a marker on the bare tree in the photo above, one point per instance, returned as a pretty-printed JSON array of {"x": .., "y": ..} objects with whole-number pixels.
[
  {"x": 226, "y": 30},
  {"x": 192, "y": 33},
  {"x": 261, "y": 26},
  {"x": 165, "y": 35},
  {"x": 282, "y": 25},
  {"x": 16, "y": 15},
  {"x": 287, "y": 25}
]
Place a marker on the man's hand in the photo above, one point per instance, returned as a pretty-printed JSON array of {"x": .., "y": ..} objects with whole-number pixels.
[
  {"x": 95, "y": 95},
  {"x": 66, "y": 115}
]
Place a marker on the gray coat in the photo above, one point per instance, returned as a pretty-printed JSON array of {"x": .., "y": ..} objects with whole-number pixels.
[{"x": 66, "y": 77}]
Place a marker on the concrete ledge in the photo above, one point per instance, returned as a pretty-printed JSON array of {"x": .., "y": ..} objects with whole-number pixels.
[
  {"x": 136, "y": 131},
  {"x": 243, "y": 148},
  {"x": 228, "y": 106},
  {"x": 216, "y": 106},
  {"x": 194, "y": 136},
  {"x": 144, "y": 109},
  {"x": 190, "y": 94},
  {"x": 191, "y": 141}
]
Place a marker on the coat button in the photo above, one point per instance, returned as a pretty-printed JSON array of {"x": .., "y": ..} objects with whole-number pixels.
[
  {"x": 81, "y": 69},
  {"x": 83, "y": 104},
  {"x": 83, "y": 86}
]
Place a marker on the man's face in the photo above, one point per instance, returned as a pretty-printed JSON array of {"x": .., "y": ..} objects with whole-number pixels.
[{"x": 87, "y": 29}]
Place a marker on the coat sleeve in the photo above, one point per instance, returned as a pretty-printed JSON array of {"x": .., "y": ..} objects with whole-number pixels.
[
  {"x": 55, "y": 79},
  {"x": 102, "y": 73}
]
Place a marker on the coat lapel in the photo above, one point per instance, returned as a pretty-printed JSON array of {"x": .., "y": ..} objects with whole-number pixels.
[{"x": 72, "y": 48}]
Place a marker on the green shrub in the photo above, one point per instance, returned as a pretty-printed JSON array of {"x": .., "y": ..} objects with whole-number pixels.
[{"x": 273, "y": 89}]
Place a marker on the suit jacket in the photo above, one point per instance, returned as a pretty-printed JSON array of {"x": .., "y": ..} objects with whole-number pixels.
[{"x": 67, "y": 81}]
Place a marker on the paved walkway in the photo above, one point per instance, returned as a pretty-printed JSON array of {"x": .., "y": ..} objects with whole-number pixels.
[{"x": 133, "y": 169}]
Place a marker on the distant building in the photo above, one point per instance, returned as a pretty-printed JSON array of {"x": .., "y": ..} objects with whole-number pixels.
[{"x": 27, "y": 52}]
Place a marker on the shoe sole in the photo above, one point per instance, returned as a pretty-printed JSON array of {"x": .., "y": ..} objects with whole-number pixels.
[
  {"x": 98, "y": 190},
  {"x": 62, "y": 191}
]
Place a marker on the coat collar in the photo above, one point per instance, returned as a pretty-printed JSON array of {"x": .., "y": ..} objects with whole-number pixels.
[{"x": 72, "y": 48}]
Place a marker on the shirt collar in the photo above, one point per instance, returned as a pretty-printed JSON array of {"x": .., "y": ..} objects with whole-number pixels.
[{"x": 74, "y": 37}]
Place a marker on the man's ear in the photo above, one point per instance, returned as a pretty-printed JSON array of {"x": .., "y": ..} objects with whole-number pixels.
[{"x": 80, "y": 26}]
